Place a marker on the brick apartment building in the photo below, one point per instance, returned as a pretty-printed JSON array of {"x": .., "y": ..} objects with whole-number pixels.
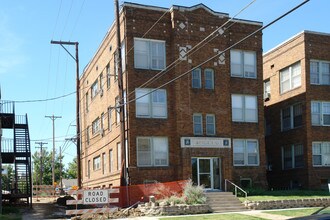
[
  {"x": 207, "y": 125},
  {"x": 297, "y": 111}
]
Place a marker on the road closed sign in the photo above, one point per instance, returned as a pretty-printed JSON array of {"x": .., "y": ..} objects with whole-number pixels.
[{"x": 96, "y": 196}]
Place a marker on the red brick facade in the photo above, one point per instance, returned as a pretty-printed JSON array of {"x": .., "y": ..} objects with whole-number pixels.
[
  {"x": 181, "y": 29},
  {"x": 304, "y": 48}
]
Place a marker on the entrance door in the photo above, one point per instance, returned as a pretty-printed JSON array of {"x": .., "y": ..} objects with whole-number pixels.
[{"x": 206, "y": 171}]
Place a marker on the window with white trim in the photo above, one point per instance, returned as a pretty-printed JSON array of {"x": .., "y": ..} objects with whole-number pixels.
[
  {"x": 245, "y": 152},
  {"x": 321, "y": 154},
  {"x": 320, "y": 113},
  {"x": 151, "y": 105},
  {"x": 119, "y": 156},
  {"x": 152, "y": 151},
  {"x": 94, "y": 89},
  {"x": 292, "y": 156},
  {"x": 244, "y": 108},
  {"x": 149, "y": 54},
  {"x": 117, "y": 109},
  {"x": 290, "y": 77},
  {"x": 320, "y": 72},
  {"x": 210, "y": 124},
  {"x": 110, "y": 161},
  {"x": 196, "y": 78},
  {"x": 243, "y": 64},
  {"x": 108, "y": 75},
  {"x": 291, "y": 117},
  {"x": 89, "y": 169},
  {"x": 97, "y": 163},
  {"x": 96, "y": 126},
  {"x": 209, "y": 78},
  {"x": 110, "y": 118},
  {"x": 198, "y": 124},
  {"x": 267, "y": 89},
  {"x": 104, "y": 163},
  {"x": 123, "y": 57}
]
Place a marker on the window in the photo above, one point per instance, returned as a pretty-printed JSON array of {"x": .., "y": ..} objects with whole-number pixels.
[
  {"x": 89, "y": 169},
  {"x": 320, "y": 72},
  {"x": 110, "y": 161},
  {"x": 209, "y": 78},
  {"x": 109, "y": 119},
  {"x": 87, "y": 135},
  {"x": 198, "y": 124},
  {"x": 291, "y": 117},
  {"x": 125, "y": 105},
  {"x": 87, "y": 97},
  {"x": 104, "y": 163},
  {"x": 118, "y": 156},
  {"x": 292, "y": 156},
  {"x": 320, "y": 113},
  {"x": 321, "y": 154},
  {"x": 152, "y": 151},
  {"x": 290, "y": 77},
  {"x": 94, "y": 89},
  {"x": 123, "y": 57},
  {"x": 244, "y": 108},
  {"x": 96, "y": 126},
  {"x": 116, "y": 60},
  {"x": 243, "y": 64},
  {"x": 108, "y": 75},
  {"x": 267, "y": 89},
  {"x": 151, "y": 105},
  {"x": 96, "y": 163},
  {"x": 196, "y": 78},
  {"x": 102, "y": 122},
  {"x": 245, "y": 152},
  {"x": 210, "y": 124},
  {"x": 101, "y": 83},
  {"x": 117, "y": 110},
  {"x": 149, "y": 54}
]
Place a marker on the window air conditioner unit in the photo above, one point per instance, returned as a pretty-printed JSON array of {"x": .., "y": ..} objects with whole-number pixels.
[{"x": 267, "y": 96}]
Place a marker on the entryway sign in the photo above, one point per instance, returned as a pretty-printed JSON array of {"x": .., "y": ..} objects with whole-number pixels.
[{"x": 96, "y": 196}]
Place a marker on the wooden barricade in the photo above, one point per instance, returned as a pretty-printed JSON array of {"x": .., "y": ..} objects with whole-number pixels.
[
  {"x": 80, "y": 199},
  {"x": 44, "y": 191}
]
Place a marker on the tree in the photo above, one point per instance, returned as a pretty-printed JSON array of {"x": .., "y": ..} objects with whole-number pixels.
[
  {"x": 71, "y": 172},
  {"x": 7, "y": 178}
]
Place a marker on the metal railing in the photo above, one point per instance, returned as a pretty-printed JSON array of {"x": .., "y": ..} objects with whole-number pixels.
[
  {"x": 236, "y": 187},
  {"x": 6, "y": 107},
  {"x": 7, "y": 145},
  {"x": 21, "y": 119}
]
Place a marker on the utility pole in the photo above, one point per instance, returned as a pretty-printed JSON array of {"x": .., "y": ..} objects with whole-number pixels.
[
  {"x": 76, "y": 58},
  {"x": 53, "y": 118},
  {"x": 121, "y": 98},
  {"x": 41, "y": 162}
]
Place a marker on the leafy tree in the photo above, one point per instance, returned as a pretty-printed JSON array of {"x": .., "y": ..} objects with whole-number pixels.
[
  {"x": 6, "y": 179},
  {"x": 71, "y": 172}
]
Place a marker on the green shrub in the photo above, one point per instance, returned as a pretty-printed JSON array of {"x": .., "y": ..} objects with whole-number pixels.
[{"x": 193, "y": 194}]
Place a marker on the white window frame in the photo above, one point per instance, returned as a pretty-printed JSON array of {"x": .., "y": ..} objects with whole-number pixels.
[
  {"x": 246, "y": 153},
  {"x": 319, "y": 114},
  {"x": 196, "y": 78},
  {"x": 104, "y": 163},
  {"x": 199, "y": 115},
  {"x": 117, "y": 109},
  {"x": 160, "y": 58},
  {"x": 153, "y": 153},
  {"x": 267, "y": 88},
  {"x": 111, "y": 161},
  {"x": 290, "y": 70},
  {"x": 293, "y": 150},
  {"x": 209, "y": 78},
  {"x": 110, "y": 118},
  {"x": 108, "y": 75},
  {"x": 291, "y": 117},
  {"x": 97, "y": 163},
  {"x": 320, "y": 73},
  {"x": 244, "y": 108},
  {"x": 150, "y": 102},
  {"x": 96, "y": 126},
  {"x": 323, "y": 153},
  {"x": 242, "y": 66},
  {"x": 94, "y": 89},
  {"x": 211, "y": 124}
]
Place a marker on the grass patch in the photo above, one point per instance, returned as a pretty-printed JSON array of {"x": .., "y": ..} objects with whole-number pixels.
[
  {"x": 325, "y": 211},
  {"x": 215, "y": 217},
  {"x": 295, "y": 212},
  {"x": 10, "y": 213}
]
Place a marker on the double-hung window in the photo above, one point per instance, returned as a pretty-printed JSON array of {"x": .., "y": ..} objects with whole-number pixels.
[
  {"x": 244, "y": 108},
  {"x": 321, "y": 154},
  {"x": 94, "y": 89},
  {"x": 108, "y": 75},
  {"x": 96, "y": 126},
  {"x": 291, "y": 117},
  {"x": 209, "y": 78},
  {"x": 151, "y": 105},
  {"x": 196, "y": 78},
  {"x": 198, "y": 124},
  {"x": 152, "y": 151},
  {"x": 292, "y": 156},
  {"x": 97, "y": 163},
  {"x": 320, "y": 72},
  {"x": 267, "y": 89},
  {"x": 210, "y": 124},
  {"x": 320, "y": 113},
  {"x": 290, "y": 77},
  {"x": 119, "y": 156},
  {"x": 243, "y": 64},
  {"x": 117, "y": 109},
  {"x": 245, "y": 152},
  {"x": 149, "y": 54}
]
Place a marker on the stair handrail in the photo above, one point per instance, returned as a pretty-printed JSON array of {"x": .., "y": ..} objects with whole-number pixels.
[{"x": 236, "y": 187}]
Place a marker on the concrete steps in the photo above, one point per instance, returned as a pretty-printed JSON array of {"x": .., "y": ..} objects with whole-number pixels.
[{"x": 224, "y": 202}]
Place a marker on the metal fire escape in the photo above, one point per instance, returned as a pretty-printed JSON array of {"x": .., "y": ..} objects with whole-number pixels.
[{"x": 16, "y": 152}]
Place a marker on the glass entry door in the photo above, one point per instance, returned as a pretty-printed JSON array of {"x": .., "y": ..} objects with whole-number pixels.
[{"x": 206, "y": 171}]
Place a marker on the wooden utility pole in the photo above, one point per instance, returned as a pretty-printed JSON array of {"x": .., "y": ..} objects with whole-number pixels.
[
  {"x": 41, "y": 162},
  {"x": 76, "y": 58},
  {"x": 122, "y": 103},
  {"x": 53, "y": 118}
]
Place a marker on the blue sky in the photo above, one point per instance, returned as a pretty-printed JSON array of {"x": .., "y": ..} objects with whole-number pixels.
[{"x": 33, "y": 69}]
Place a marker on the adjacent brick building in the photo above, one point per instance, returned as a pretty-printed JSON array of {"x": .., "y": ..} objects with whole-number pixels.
[
  {"x": 207, "y": 125},
  {"x": 297, "y": 111}
]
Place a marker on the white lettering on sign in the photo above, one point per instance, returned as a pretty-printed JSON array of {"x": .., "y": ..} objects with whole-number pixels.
[
  {"x": 96, "y": 196},
  {"x": 205, "y": 142}
]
